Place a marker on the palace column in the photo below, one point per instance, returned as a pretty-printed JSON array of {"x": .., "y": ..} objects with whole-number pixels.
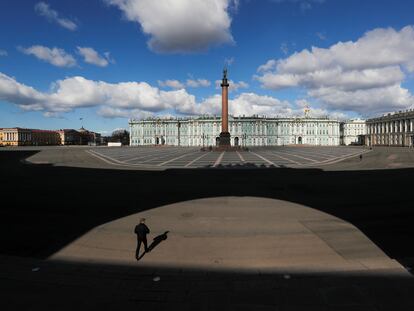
[{"x": 224, "y": 135}]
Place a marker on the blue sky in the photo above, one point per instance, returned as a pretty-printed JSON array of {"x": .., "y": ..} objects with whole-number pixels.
[{"x": 108, "y": 60}]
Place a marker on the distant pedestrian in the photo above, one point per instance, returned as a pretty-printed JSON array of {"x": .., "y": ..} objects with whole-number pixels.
[
  {"x": 141, "y": 230},
  {"x": 360, "y": 157}
]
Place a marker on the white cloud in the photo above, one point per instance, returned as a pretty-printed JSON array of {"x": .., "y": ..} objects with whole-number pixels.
[
  {"x": 19, "y": 94},
  {"x": 363, "y": 76},
  {"x": 3, "y": 53},
  {"x": 270, "y": 65},
  {"x": 174, "y": 84},
  {"x": 49, "y": 114},
  {"x": 55, "y": 56},
  {"x": 43, "y": 9},
  {"x": 136, "y": 100},
  {"x": 246, "y": 104},
  {"x": 92, "y": 57},
  {"x": 249, "y": 104},
  {"x": 336, "y": 77},
  {"x": 109, "y": 112},
  {"x": 389, "y": 46},
  {"x": 180, "y": 26},
  {"x": 77, "y": 92},
  {"x": 198, "y": 83},
  {"x": 368, "y": 102}
]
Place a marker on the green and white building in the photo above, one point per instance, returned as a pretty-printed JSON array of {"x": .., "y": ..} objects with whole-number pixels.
[
  {"x": 245, "y": 131},
  {"x": 353, "y": 131}
]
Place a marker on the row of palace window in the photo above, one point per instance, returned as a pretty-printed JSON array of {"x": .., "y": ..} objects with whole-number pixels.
[
  {"x": 259, "y": 131},
  {"x": 254, "y": 141}
]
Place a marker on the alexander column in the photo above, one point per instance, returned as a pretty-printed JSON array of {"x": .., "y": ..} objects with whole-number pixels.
[{"x": 224, "y": 135}]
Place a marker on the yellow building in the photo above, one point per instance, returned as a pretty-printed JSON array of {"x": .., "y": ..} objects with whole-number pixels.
[
  {"x": 33, "y": 137},
  {"x": 15, "y": 136}
]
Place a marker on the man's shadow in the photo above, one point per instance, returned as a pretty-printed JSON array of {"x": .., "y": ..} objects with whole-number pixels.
[{"x": 155, "y": 241}]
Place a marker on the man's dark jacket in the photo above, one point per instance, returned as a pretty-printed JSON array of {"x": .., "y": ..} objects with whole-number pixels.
[{"x": 141, "y": 230}]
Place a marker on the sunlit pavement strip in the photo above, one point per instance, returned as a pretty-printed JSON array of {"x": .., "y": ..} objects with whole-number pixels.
[
  {"x": 283, "y": 158},
  {"x": 219, "y": 159},
  {"x": 240, "y": 156},
  {"x": 196, "y": 159},
  {"x": 298, "y": 156},
  {"x": 286, "y": 237},
  {"x": 185, "y": 157},
  {"x": 338, "y": 159},
  {"x": 174, "y": 159}
]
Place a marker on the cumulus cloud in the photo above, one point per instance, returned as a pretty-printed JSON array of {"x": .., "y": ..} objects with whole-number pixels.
[
  {"x": 110, "y": 112},
  {"x": 55, "y": 56},
  {"x": 43, "y": 9},
  {"x": 175, "y": 84},
  {"x": 269, "y": 65},
  {"x": 138, "y": 100},
  {"x": 198, "y": 83},
  {"x": 3, "y": 52},
  {"x": 248, "y": 104},
  {"x": 369, "y": 102},
  {"x": 363, "y": 76},
  {"x": 180, "y": 26},
  {"x": 91, "y": 56},
  {"x": 351, "y": 80},
  {"x": 77, "y": 92},
  {"x": 133, "y": 99}
]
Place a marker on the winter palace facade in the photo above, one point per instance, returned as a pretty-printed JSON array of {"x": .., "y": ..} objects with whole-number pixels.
[{"x": 245, "y": 131}]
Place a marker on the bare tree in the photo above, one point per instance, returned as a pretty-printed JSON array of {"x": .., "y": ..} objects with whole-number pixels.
[{"x": 121, "y": 136}]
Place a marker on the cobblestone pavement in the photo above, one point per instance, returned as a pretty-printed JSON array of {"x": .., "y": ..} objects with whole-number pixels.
[{"x": 185, "y": 157}]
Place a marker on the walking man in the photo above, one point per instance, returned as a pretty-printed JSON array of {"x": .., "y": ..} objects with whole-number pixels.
[{"x": 141, "y": 231}]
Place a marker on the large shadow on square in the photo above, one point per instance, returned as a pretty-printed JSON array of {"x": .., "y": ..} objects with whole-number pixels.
[{"x": 45, "y": 208}]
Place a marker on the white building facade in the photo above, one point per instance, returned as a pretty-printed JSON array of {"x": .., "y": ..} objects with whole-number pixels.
[
  {"x": 352, "y": 132},
  {"x": 245, "y": 131},
  {"x": 392, "y": 129}
]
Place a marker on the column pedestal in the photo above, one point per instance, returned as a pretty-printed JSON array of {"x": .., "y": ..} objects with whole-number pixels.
[{"x": 224, "y": 139}]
